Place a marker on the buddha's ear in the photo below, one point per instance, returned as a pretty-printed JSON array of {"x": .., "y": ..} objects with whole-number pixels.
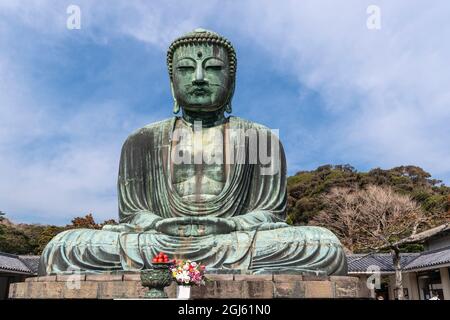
[
  {"x": 228, "y": 107},
  {"x": 176, "y": 107}
]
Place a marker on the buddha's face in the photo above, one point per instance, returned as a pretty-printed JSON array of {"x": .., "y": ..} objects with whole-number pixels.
[{"x": 201, "y": 77}]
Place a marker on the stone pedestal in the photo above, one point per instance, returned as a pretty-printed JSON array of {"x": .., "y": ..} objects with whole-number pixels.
[{"x": 218, "y": 286}]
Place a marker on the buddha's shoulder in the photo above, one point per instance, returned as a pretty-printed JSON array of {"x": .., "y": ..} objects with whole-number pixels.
[
  {"x": 244, "y": 123},
  {"x": 254, "y": 126},
  {"x": 150, "y": 129}
]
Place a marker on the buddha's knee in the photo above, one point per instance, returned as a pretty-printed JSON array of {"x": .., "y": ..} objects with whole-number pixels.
[
  {"x": 81, "y": 249},
  {"x": 82, "y": 238},
  {"x": 60, "y": 238},
  {"x": 299, "y": 234},
  {"x": 314, "y": 233}
]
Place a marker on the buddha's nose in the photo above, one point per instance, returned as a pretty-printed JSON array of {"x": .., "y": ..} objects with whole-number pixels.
[{"x": 199, "y": 76}]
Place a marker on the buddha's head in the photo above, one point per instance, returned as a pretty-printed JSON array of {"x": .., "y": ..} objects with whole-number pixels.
[{"x": 202, "y": 69}]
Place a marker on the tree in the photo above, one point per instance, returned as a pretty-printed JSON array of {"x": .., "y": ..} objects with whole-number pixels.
[
  {"x": 372, "y": 219},
  {"x": 341, "y": 215},
  {"x": 109, "y": 221},
  {"x": 33, "y": 233},
  {"x": 47, "y": 234},
  {"x": 2, "y": 215},
  {"x": 87, "y": 222},
  {"x": 13, "y": 240},
  {"x": 306, "y": 188}
]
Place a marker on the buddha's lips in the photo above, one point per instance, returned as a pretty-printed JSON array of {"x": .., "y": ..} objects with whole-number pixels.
[{"x": 200, "y": 91}]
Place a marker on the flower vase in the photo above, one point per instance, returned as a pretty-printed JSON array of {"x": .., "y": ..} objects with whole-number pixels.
[
  {"x": 156, "y": 279},
  {"x": 183, "y": 292}
]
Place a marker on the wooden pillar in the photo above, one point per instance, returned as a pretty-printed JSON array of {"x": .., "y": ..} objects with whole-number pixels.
[
  {"x": 413, "y": 289},
  {"x": 445, "y": 280}
]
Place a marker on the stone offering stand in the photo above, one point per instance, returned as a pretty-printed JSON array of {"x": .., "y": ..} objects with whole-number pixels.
[{"x": 218, "y": 286}]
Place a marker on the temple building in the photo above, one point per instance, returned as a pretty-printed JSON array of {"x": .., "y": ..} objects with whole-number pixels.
[
  {"x": 424, "y": 274},
  {"x": 15, "y": 268}
]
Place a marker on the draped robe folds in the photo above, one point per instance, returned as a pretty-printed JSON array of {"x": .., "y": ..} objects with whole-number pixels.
[{"x": 255, "y": 201}]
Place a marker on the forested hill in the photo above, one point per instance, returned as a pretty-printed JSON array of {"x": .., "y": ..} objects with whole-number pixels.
[
  {"x": 305, "y": 189},
  {"x": 25, "y": 238}
]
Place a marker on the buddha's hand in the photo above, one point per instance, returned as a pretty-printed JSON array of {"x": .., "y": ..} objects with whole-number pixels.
[
  {"x": 272, "y": 226},
  {"x": 195, "y": 226},
  {"x": 122, "y": 227}
]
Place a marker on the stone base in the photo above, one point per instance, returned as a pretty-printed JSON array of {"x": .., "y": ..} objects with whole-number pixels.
[{"x": 218, "y": 286}]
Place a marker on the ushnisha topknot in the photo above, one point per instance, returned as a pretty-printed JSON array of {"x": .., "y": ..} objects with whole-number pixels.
[{"x": 200, "y": 35}]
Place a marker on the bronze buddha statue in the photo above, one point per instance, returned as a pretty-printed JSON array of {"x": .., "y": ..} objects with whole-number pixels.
[{"x": 193, "y": 186}]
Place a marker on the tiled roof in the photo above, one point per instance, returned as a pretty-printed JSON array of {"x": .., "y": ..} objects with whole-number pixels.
[
  {"x": 32, "y": 262},
  {"x": 21, "y": 264},
  {"x": 361, "y": 263},
  {"x": 426, "y": 235},
  {"x": 429, "y": 259},
  {"x": 364, "y": 262}
]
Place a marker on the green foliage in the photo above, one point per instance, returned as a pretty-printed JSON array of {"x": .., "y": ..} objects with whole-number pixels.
[
  {"x": 44, "y": 237},
  {"x": 14, "y": 241},
  {"x": 306, "y": 187},
  {"x": 26, "y": 238},
  {"x": 414, "y": 247}
]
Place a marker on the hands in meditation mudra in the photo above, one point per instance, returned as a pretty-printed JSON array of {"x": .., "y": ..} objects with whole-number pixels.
[{"x": 195, "y": 186}]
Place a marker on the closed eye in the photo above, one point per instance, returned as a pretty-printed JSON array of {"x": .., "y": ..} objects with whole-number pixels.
[
  {"x": 214, "y": 67},
  {"x": 185, "y": 68}
]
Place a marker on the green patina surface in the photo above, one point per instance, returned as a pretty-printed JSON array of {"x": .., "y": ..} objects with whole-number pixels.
[{"x": 227, "y": 215}]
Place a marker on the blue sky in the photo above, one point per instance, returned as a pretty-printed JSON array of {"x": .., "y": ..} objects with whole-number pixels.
[{"x": 337, "y": 91}]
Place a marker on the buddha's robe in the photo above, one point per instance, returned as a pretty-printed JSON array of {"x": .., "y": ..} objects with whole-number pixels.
[{"x": 254, "y": 200}]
